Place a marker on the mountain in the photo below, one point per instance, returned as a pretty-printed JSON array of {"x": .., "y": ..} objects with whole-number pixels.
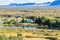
[
  {"x": 35, "y": 4},
  {"x": 43, "y": 4},
  {"x": 30, "y": 4},
  {"x": 19, "y": 4},
  {"x": 55, "y": 3},
  {"x": 47, "y": 3}
]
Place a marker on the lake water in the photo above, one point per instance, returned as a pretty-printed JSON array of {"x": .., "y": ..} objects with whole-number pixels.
[{"x": 26, "y": 27}]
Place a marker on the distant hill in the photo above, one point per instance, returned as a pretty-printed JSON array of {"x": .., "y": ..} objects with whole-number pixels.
[
  {"x": 19, "y": 4},
  {"x": 55, "y": 3},
  {"x": 47, "y": 3},
  {"x": 30, "y": 4}
]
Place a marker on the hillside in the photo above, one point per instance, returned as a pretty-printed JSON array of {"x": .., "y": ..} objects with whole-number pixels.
[{"x": 55, "y": 3}]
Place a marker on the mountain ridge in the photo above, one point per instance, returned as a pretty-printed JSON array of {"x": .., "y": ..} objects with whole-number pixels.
[
  {"x": 29, "y": 4},
  {"x": 54, "y": 3}
]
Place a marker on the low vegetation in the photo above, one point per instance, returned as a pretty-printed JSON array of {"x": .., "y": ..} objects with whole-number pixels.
[
  {"x": 46, "y": 22},
  {"x": 21, "y": 34}
]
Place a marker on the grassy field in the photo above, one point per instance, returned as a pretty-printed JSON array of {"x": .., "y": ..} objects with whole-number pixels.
[
  {"x": 30, "y": 34},
  {"x": 27, "y": 34},
  {"x": 29, "y": 12}
]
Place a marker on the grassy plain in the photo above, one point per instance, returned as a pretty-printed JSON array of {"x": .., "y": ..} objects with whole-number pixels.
[
  {"x": 27, "y": 34},
  {"x": 41, "y": 33},
  {"x": 30, "y": 11}
]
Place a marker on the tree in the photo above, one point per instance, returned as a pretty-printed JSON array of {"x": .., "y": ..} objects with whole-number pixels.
[
  {"x": 49, "y": 21},
  {"x": 33, "y": 17},
  {"x": 57, "y": 24},
  {"x": 38, "y": 21}
]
